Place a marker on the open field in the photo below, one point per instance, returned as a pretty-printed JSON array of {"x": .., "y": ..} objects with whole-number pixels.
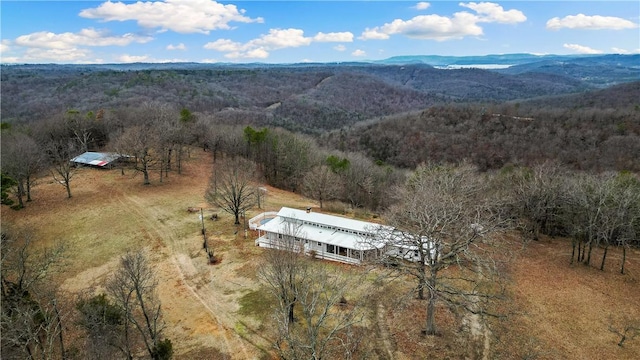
[{"x": 563, "y": 312}]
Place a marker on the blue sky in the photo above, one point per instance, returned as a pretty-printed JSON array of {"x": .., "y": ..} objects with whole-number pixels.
[{"x": 302, "y": 31}]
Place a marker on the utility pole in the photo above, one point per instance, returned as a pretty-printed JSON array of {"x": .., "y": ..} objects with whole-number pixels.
[
  {"x": 204, "y": 235},
  {"x": 202, "y": 220}
]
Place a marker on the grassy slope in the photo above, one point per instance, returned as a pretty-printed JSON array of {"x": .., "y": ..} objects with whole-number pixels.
[{"x": 563, "y": 310}]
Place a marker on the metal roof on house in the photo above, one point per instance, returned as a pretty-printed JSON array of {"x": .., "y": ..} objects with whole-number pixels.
[
  {"x": 100, "y": 159},
  {"x": 325, "y": 219},
  {"x": 338, "y": 231}
]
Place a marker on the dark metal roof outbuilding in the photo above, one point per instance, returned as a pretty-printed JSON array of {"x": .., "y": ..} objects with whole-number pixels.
[{"x": 100, "y": 159}]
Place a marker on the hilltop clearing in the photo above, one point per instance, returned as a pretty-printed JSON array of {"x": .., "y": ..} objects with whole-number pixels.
[{"x": 560, "y": 311}]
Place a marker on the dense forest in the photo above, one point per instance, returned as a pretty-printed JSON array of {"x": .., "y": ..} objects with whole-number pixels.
[
  {"x": 311, "y": 98},
  {"x": 594, "y": 131}
]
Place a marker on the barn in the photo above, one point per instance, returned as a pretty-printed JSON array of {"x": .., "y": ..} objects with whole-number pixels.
[{"x": 97, "y": 159}]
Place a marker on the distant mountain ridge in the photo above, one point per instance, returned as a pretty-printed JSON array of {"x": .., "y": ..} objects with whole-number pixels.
[
  {"x": 596, "y": 70},
  {"x": 624, "y": 60},
  {"x": 513, "y": 59}
]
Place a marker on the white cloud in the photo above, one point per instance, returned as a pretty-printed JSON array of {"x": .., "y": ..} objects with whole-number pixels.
[
  {"x": 441, "y": 28},
  {"x": 490, "y": 12},
  {"x": 281, "y": 38},
  {"x": 585, "y": 22},
  {"x": 581, "y": 49},
  {"x": 180, "y": 46},
  {"x": 69, "y": 55},
  {"x": 620, "y": 51},
  {"x": 340, "y": 47},
  {"x": 359, "y": 53},
  {"x": 133, "y": 58},
  {"x": 259, "y": 48},
  {"x": 10, "y": 60},
  {"x": 422, "y": 5},
  {"x": 434, "y": 27},
  {"x": 374, "y": 34},
  {"x": 4, "y": 46},
  {"x": 14, "y": 53},
  {"x": 334, "y": 37},
  {"x": 258, "y": 53},
  {"x": 126, "y": 58},
  {"x": 255, "y": 53},
  {"x": 625, "y": 51},
  {"x": 86, "y": 37},
  {"x": 223, "y": 45},
  {"x": 182, "y": 16}
]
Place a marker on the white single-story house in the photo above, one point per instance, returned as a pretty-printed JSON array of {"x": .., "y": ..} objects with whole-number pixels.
[{"x": 323, "y": 236}]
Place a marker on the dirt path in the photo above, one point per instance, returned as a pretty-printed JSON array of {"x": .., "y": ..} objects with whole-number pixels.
[
  {"x": 199, "y": 301},
  {"x": 179, "y": 285},
  {"x": 384, "y": 331}
]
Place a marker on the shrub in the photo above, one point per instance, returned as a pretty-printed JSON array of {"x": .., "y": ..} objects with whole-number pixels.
[{"x": 163, "y": 351}]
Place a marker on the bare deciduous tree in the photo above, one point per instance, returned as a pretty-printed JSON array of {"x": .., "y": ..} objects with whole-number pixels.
[
  {"x": 622, "y": 211},
  {"x": 61, "y": 152},
  {"x": 322, "y": 184},
  {"x": 138, "y": 142},
  {"x": 602, "y": 210},
  {"x": 538, "y": 197},
  {"x": 323, "y": 324},
  {"x": 133, "y": 288},
  {"x": 231, "y": 186},
  {"x": 147, "y": 139},
  {"x": 625, "y": 327},
  {"x": 81, "y": 128},
  {"x": 222, "y": 139},
  {"x": 31, "y": 320},
  {"x": 22, "y": 159},
  {"x": 443, "y": 220},
  {"x": 103, "y": 322},
  {"x": 326, "y": 316},
  {"x": 285, "y": 266}
]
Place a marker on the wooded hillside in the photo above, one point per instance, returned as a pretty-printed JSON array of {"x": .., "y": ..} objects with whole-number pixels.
[{"x": 598, "y": 130}]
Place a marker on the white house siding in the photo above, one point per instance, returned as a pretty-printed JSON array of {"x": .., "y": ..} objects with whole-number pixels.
[{"x": 350, "y": 239}]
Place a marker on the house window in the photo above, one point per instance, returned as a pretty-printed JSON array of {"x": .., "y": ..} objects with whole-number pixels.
[
  {"x": 331, "y": 249},
  {"x": 319, "y": 243},
  {"x": 279, "y": 236}
]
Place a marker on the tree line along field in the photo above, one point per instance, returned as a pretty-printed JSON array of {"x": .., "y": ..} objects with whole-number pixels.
[
  {"x": 524, "y": 214},
  {"x": 222, "y": 311}
]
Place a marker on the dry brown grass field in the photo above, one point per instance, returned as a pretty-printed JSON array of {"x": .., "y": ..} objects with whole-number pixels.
[{"x": 562, "y": 311}]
